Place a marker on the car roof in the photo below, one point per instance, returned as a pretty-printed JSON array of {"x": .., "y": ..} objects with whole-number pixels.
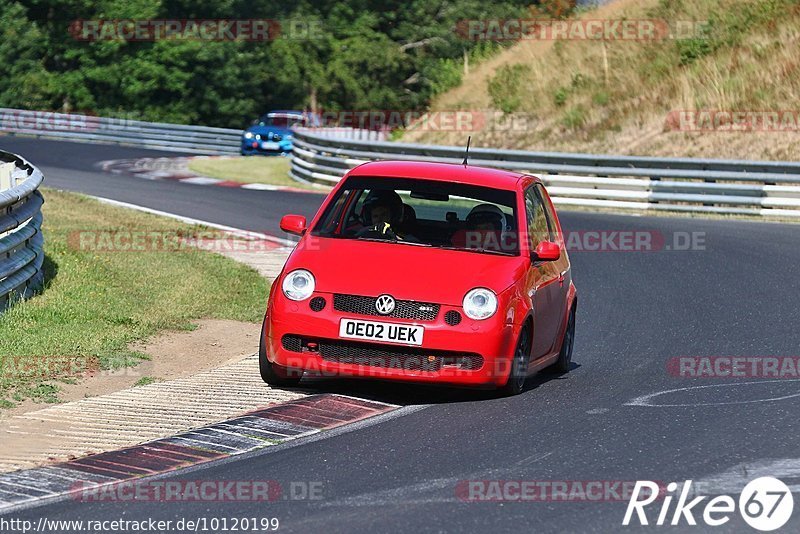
[
  {"x": 443, "y": 172},
  {"x": 284, "y": 112}
]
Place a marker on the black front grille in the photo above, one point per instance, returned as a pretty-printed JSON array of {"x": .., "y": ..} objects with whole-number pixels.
[
  {"x": 403, "y": 309},
  {"x": 292, "y": 343},
  {"x": 452, "y": 318},
  {"x": 375, "y": 355}
]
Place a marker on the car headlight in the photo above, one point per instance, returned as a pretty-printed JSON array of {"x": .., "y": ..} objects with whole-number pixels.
[
  {"x": 480, "y": 303},
  {"x": 258, "y": 136},
  {"x": 248, "y": 135},
  {"x": 298, "y": 284}
]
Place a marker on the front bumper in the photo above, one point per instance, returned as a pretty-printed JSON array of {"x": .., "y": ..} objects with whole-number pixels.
[
  {"x": 250, "y": 146},
  {"x": 471, "y": 353}
]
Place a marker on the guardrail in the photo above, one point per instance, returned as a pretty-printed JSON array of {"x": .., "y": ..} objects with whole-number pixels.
[
  {"x": 153, "y": 135},
  {"x": 760, "y": 188},
  {"x": 21, "y": 241}
]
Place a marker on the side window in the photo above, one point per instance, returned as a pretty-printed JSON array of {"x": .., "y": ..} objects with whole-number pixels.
[
  {"x": 332, "y": 223},
  {"x": 357, "y": 207},
  {"x": 551, "y": 220},
  {"x": 538, "y": 228},
  {"x": 334, "y": 215}
]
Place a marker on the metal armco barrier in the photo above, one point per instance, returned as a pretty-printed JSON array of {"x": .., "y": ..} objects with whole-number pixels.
[
  {"x": 761, "y": 188},
  {"x": 21, "y": 241},
  {"x": 153, "y": 135}
]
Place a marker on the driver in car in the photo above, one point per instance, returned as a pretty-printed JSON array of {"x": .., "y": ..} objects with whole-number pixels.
[
  {"x": 383, "y": 210},
  {"x": 485, "y": 229}
]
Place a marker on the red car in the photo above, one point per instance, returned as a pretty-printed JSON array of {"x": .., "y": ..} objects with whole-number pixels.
[{"x": 424, "y": 272}]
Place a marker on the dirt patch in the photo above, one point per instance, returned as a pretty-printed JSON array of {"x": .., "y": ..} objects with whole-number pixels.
[{"x": 179, "y": 354}]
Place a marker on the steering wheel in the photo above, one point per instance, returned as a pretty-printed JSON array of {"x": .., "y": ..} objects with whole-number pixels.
[{"x": 378, "y": 231}]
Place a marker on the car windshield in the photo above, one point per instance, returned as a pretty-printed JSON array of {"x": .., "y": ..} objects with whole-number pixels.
[
  {"x": 281, "y": 121},
  {"x": 423, "y": 213}
]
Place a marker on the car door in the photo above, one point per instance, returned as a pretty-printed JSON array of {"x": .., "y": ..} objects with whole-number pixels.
[
  {"x": 562, "y": 266},
  {"x": 542, "y": 282}
]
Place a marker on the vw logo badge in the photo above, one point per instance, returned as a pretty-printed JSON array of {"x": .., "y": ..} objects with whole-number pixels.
[{"x": 384, "y": 304}]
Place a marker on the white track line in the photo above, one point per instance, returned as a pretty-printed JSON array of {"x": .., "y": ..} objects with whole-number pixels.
[
  {"x": 645, "y": 400},
  {"x": 189, "y": 220}
]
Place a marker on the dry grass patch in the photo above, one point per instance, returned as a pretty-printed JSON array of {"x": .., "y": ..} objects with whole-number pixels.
[{"x": 614, "y": 97}]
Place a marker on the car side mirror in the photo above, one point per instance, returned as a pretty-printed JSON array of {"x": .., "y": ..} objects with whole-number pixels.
[
  {"x": 293, "y": 224},
  {"x": 546, "y": 251}
]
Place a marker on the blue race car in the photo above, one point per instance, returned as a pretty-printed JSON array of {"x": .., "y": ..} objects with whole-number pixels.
[{"x": 272, "y": 133}]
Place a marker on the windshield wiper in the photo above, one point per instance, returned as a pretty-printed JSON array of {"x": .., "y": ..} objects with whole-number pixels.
[
  {"x": 479, "y": 250},
  {"x": 400, "y": 241}
]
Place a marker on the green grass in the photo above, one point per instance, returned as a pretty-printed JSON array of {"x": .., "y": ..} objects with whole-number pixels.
[
  {"x": 248, "y": 170},
  {"x": 95, "y": 304}
]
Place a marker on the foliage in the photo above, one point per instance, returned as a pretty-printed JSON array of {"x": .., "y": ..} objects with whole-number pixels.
[
  {"x": 330, "y": 55},
  {"x": 506, "y": 85}
]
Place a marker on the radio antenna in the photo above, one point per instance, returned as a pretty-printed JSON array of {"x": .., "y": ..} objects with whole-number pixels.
[{"x": 466, "y": 152}]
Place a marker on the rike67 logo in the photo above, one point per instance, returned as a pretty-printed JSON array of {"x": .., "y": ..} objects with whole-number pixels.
[{"x": 765, "y": 504}]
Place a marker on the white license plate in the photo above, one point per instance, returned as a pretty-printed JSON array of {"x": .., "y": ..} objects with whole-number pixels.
[
  {"x": 406, "y": 334},
  {"x": 270, "y": 145}
]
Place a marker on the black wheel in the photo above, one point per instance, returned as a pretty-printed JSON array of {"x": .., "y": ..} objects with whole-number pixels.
[
  {"x": 565, "y": 356},
  {"x": 519, "y": 365},
  {"x": 273, "y": 374}
]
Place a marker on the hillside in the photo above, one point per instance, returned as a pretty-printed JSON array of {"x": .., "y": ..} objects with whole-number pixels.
[{"x": 625, "y": 96}]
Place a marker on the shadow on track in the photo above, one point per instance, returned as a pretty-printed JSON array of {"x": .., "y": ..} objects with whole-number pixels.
[{"x": 409, "y": 394}]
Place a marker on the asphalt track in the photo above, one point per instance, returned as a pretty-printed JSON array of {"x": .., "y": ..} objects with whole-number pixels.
[
  {"x": 735, "y": 297},
  {"x": 72, "y": 167}
]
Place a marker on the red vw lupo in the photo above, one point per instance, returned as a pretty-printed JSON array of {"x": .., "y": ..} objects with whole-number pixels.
[{"x": 424, "y": 272}]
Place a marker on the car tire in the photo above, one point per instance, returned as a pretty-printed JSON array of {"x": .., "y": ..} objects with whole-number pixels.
[
  {"x": 519, "y": 365},
  {"x": 564, "y": 360},
  {"x": 274, "y": 374}
]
